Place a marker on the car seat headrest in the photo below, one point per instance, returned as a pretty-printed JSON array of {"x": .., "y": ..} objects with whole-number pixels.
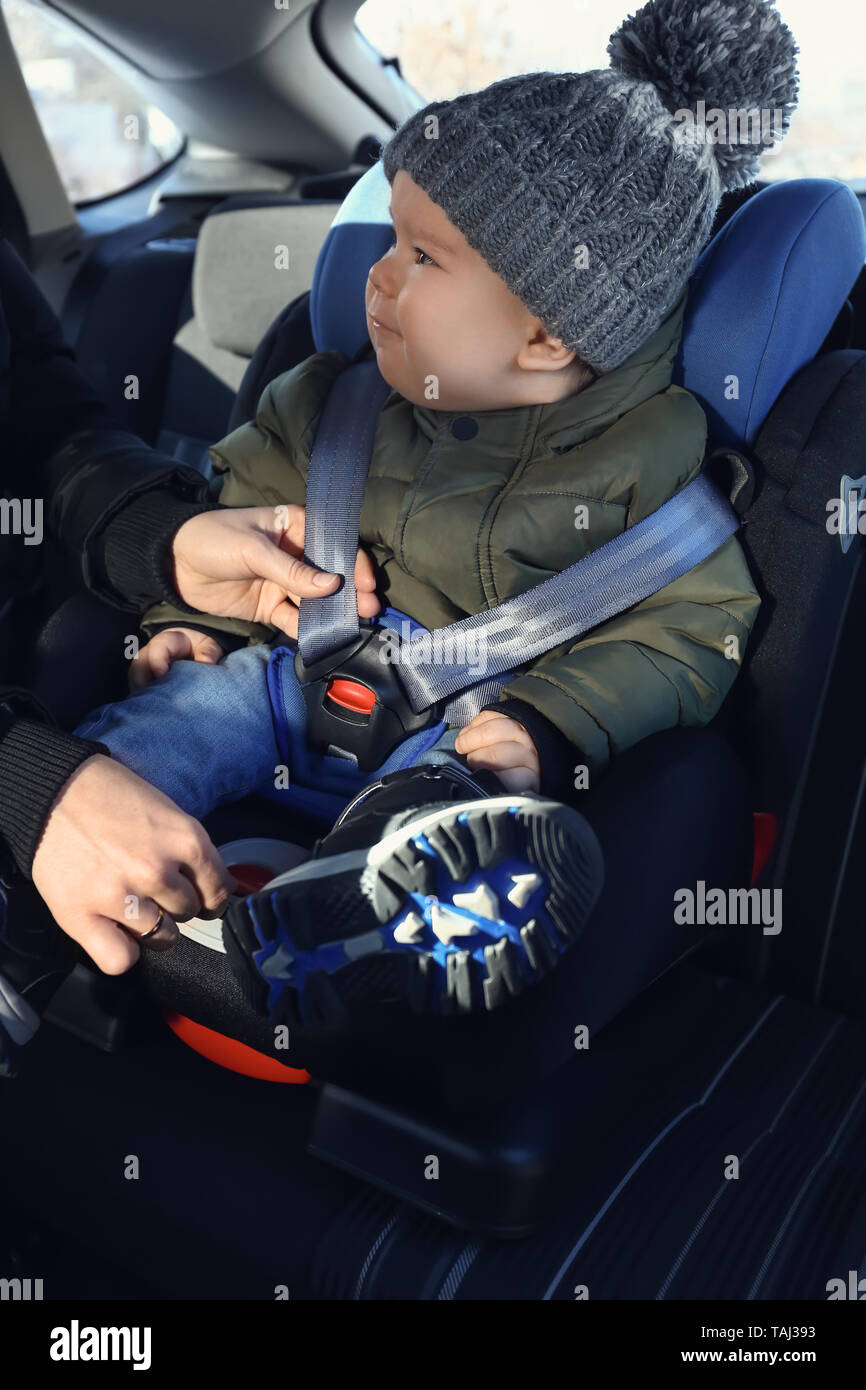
[
  {"x": 250, "y": 262},
  {"x": 360, "y": 233},
  {"x": 762, "y": 298}
]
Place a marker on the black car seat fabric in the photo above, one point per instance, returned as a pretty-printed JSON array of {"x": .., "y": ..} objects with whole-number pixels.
[
  {"x": 229, "y": 1206},
  {"x": 790, "y": 711},
  {"x": 288, "y": 341},
  {"x": 711, "y": 1146},
  {"x": 812, "y": 436}
]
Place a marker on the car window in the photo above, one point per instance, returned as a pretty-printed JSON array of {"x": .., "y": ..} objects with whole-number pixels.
[
  {"x": 461, "y": 45},
  {"x": 104, "y": 135}
]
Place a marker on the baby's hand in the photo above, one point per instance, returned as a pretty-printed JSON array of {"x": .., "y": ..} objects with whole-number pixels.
[
  {"x": 495, "y": 741},
  {"x": 171, "y": 645}
]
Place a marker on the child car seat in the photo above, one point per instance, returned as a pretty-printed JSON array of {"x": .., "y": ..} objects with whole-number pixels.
[{"x": 759, "y": 329}]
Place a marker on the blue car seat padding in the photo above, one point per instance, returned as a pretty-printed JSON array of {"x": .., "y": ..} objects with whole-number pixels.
[{"x": 763, "y": 297}]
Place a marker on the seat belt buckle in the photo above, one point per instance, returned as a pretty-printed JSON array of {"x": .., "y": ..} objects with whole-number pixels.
[{"x": 356, "y": 701}]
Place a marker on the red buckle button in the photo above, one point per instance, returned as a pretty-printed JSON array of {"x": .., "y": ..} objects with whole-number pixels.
[{"x": 351, "y": 695}]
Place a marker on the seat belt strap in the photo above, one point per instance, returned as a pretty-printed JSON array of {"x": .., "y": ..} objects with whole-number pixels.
[
  {"x": 339, "y": 463},
  {"x": 662, "y": 547},
  {"x": 477, "y": 654}
]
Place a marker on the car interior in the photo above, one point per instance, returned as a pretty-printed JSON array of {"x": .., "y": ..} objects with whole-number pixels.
[{"x": 606, "y": 1170}]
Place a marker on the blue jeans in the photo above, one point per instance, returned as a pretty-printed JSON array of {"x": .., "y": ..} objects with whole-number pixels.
[{"x": 207, "y": 735}]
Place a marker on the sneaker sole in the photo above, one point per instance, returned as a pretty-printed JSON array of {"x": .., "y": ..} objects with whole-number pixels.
[{"x": 456, "y": 912}]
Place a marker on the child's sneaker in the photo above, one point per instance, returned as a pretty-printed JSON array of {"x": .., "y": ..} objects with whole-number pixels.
[{"x": 435, "y": 886}]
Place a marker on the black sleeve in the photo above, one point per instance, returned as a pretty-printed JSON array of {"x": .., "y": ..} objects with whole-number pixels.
[
  {"x": 49, "y": 398},
  {"x": 65, "y": 442},
  {"x": 557, "y": 755},
  {"x": 132, "y": 556},
  {"x": 36, "y": 760},
  {"x": 116, "y": 505}
]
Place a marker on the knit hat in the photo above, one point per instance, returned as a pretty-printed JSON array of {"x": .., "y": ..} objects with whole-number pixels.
[{"x": 592, "y": 194}]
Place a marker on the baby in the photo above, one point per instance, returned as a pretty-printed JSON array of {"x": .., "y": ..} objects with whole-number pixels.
[{"x": 526, "y": 318}]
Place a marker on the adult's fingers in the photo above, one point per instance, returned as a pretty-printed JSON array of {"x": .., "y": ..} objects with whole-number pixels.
[
  {"x": 269, "y": 560},
  {"x": 368, "y": 603},
  {"x": 285, "y": 614},
  {"x": 202, "y": 864},
  {"x": 176, "y": 895},
  {"x": 111, "y": 948},
  {"x": 156, "y": 929},
  {"x": 285, "y": 617}
]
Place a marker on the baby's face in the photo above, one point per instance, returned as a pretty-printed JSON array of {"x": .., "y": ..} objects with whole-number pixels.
[{"x": 452, "y": 335}]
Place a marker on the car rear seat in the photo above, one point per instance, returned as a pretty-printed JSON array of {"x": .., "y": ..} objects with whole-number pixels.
[
  {"x": 236, "y": 290},
  {"x": 182, "y": 304}
]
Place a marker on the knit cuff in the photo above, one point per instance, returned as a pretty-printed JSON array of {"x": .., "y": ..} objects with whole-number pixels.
[
  {"x": 137, "y": 544},
  {"x": 36, "y": 760},
  {"x": 557, "y": 755}
]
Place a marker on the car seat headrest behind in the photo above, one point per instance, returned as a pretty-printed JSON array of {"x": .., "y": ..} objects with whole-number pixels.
[
  {"x": 763, "y": 297},
  {"x": 250, "y": 262},
  {"x": 360, "y": 233}
]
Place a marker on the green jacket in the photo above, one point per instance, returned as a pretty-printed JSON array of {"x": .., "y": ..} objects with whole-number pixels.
[{"x": 458, "y": 524}]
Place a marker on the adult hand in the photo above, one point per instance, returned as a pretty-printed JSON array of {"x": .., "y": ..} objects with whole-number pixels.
[
  {"x": 115, "y": 850},
  {"x": 247, "y": 562}
]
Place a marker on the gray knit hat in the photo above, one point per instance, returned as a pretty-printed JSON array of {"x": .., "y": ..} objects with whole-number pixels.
[{"x": 592, "y": 194}]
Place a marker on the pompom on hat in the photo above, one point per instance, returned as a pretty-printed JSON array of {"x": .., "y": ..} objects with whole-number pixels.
[{"x": 592, "y": 194}]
